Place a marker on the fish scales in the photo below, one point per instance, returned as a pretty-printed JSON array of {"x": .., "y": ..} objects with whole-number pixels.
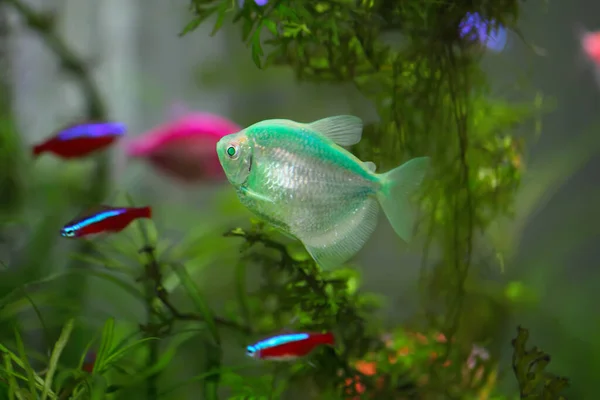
[{"x": 314, "y": 184}]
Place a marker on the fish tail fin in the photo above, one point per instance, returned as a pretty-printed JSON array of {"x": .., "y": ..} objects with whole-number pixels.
[
  {"x": 145, "y": 212},
  {"x": 38, "y": 149},
  {"x": 397, "y": 186},
  {"x": 329, "y": 338}
]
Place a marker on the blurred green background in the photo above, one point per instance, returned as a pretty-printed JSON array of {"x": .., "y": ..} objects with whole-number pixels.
[{"x": 547, "y": 253}]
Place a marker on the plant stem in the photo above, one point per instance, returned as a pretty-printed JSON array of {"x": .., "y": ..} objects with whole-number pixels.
[{"x": 44, "y": 25}]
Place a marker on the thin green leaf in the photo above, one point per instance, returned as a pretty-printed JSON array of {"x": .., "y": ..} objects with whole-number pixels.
[
  {"x": 12, "y": 382},
  {"x": 257, "y": 51},
  {"x": 106, "y": 342},
  {"x": 134, "y": 291},
  {"x": 19, "y": 362},
  {"x": 203, "y": 376},
  {"x": 220, "y": 18},
  {"x": 28, "y": 369},
  {"x": 165, "y": 359},
  {"x": 104, "y": 263},
  {"x": 58, "y": 349},
  {"x": 85, "y": 352},
  {"x": 40, "y": 318},
  {"x": 271, "y": 26},
  {"x": 192, "y": 290},
  {"x": 195, "y": 23},
  {"x": 116, "y": 355}
]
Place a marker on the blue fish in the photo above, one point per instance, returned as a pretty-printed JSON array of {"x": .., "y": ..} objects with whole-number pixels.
[
  {"x": 81, "y": 139},
  {"x": 93, "y": 130},
  {"x": 103, "y": 219},
  {"x": 289, "y": 346}
]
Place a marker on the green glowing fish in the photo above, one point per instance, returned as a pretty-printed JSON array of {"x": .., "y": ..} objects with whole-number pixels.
[{"x": 299, "y": 178}]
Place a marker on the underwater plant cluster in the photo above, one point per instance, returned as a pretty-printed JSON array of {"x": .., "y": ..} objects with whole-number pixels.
[{"x": 432, "y": 98}]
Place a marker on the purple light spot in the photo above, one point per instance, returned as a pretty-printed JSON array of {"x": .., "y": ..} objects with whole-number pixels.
[
  {"x": 259, "y": 3},
  {"x": 473, "y": 27}
]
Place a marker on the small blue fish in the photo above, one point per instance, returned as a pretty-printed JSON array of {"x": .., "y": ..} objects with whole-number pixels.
[
  {"x": 81, "y": 139},
  {"x": 289, "y": 346},
  {"x": 474, "y": 27},
  {"x": 103, "y": 219}
]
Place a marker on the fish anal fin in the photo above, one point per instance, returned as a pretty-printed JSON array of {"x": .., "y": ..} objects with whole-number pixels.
[
  {"x": 337, "y": 245},
  {"x": 345, "y": 130}
]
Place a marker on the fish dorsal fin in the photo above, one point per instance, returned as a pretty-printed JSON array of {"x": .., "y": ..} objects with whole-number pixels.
[
  {"x": 345, "y": 130},
  {"x": 370, "y": 166}
]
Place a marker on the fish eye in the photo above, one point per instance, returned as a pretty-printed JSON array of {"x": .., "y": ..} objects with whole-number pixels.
[
  {"x": 250, "y": 351},
  {"x": 67, "y": 232},
  {"x": 232, "y": 151}
]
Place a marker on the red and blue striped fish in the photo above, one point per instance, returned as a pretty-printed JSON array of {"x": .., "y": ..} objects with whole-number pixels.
[
  {"x": 289, "y": 346},
  {"x": 103, "y": 219},
  {"x": 80, "y": 140}
]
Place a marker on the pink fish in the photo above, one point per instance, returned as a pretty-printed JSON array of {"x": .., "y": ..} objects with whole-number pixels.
[
  {"x": 185, "y": 148},
  {"x": 590, "y": 45}
]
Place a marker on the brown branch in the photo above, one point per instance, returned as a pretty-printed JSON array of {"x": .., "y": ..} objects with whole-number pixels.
[{"x": 155, "y": 275}]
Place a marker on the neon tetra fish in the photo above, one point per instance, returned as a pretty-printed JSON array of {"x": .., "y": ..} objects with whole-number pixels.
[
  {"x": 104, "y": 219},
  {"x": 289, "y": 346},
  {"x": 79, "y": 140}
]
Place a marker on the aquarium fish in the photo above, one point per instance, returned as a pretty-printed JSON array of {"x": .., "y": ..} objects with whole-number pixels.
[
  {"x": 184, "y": 148},
  {"x": 89, "y": 361},
  {"x": 590, "y": 45},
  {"x": 103, "y": 219},
  {"x": 299, "y": 178},
  {"x": 289, "y": 346},
  {"x": 488, "y": 33},
  {"x": 79, "y": 140}
]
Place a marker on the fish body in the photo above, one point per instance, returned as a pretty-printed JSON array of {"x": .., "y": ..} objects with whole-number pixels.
[
  {"x": 80, "y": 140},
  {"x": 103, "y": 219},
  {"x": 289, "y": 346},
  {"x": 590, "y": 45},
  {"x": 299, "y": 178},
  {"x": 89, "y": 361},
  {"x": 185, "y": 147}
]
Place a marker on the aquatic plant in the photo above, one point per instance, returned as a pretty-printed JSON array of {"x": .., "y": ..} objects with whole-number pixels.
[{"x": 432, "y": 98}]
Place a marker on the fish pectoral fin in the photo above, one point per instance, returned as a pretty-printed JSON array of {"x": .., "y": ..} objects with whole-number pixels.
[
  {"x": 338, "y": 244},
  {"x": 370, "y": 166},
  {"x": 254, "y": 195},
  {"x": 345, "y": 130}
]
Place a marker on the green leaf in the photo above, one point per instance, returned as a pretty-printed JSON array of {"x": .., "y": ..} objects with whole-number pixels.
[
  {"x": 121, "y": 352},
  {"x": 165, "y": 359},
  {"x": 28, "y": 369},
  {"x": 220, "y": 18},
  {"x": 195, "y": 23},
  {"x": 529, "y": 367},
  {"x": 58, "y": 349},
  {"x": 271, "y": 26},
  {"x": 257, "y": 51},
  {"x": 192, "y": 290},
  {"x": 12, "y": 382},
  {"x": 106, "y": 342}
]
